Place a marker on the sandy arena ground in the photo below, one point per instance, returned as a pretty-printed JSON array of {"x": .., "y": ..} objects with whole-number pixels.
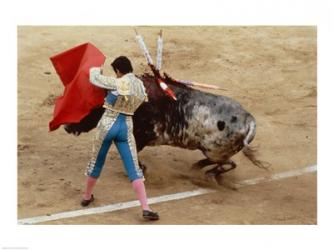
[{"x": 271, "y": 71}]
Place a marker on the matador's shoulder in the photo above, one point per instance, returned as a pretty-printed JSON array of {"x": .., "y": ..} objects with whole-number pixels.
[{"x": 124, "y": 86}]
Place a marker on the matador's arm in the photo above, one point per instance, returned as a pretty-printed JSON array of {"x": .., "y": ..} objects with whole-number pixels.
[{"x": 106, "y": 82}]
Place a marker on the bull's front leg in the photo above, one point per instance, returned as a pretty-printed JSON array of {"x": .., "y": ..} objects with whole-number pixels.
[
  {"x": 216, "y": 173},
  {"x": 202, "y": 163},
  {"x": 220, "y": 169},
  {"x": 143, "y": 167}
]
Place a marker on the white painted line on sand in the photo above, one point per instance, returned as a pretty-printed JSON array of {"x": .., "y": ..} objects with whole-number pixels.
[
  {"x": 163, "y": 198},
  {"x": 113, "y": 207},
  {"x": 277, "y": 176}
]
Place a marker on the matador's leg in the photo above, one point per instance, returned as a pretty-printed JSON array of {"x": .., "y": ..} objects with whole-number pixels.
[{"x": 101, "y": 144}]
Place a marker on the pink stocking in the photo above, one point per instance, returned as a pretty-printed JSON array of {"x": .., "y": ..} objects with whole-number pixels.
[
  {"x": 140, "y": 191},
  {"x": 90, "y": 184}
]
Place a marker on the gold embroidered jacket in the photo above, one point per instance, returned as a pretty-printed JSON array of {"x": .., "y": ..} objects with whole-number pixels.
[{"x": 130, "y": 90}]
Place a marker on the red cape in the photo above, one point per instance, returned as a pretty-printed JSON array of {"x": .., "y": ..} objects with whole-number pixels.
[{"x": 79, "y": 96}]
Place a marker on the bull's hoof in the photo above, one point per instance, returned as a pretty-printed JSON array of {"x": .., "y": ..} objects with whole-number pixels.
[
  {"x": 225, "y": 182},
  {"x": 211, "y": 179},
  {"x": 217, "y": 172},
  {"x": 211, "y": 175},
  {"x": 219, "y": 179},
  {"x": 143, "y": 167}
]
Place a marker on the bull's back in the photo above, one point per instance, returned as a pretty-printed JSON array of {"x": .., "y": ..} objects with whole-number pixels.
[{"x": 197, "y": 120}]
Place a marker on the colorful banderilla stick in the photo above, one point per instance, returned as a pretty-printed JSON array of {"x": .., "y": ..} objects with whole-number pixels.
[
  {"x": 169, "y": 92},
  {"x": 159, "y": 51}
]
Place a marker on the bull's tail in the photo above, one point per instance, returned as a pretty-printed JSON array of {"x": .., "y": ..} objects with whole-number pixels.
[{"x": 248, "y": 151}]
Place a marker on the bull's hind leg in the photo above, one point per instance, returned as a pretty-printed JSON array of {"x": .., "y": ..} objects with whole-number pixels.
[{"x": 202, "y": 163}]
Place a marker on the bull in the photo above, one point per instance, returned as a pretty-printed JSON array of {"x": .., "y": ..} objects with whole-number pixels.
[{"x": 216, "y": 125}]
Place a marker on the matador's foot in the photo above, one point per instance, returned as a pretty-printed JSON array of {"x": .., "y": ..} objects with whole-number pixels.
[
  {"x": 150, "y": 215},
  {"x": 85, "y": 203}
]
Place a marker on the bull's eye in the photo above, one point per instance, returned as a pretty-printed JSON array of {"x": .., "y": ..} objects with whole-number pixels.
[
  {"x": 220, "y": 125},
  {"x": 233, "y": 119}
]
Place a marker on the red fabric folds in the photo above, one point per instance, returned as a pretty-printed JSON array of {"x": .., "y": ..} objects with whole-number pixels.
[{"x": 79, "y": 96}]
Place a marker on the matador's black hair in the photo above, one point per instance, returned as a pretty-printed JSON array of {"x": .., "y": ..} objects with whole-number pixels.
[{"x": 123, "y": 64}]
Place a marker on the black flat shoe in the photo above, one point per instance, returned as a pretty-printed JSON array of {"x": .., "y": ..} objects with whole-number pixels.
[
  {"x": 85, "y": 203},
  {"x": 150, "y": 215}
]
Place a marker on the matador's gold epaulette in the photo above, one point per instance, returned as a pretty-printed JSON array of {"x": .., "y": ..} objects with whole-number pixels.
[{"x": 123, "y": 87}]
